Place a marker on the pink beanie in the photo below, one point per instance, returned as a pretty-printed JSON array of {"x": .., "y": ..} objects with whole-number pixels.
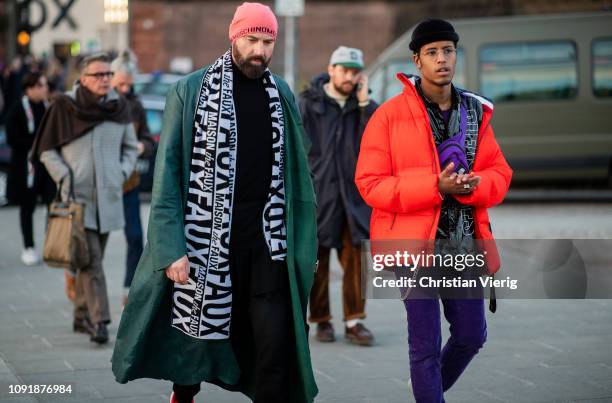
[{"x": 253, "y": 18}]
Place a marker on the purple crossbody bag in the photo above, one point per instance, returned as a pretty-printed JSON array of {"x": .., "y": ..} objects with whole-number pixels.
[{"x": 453, "y": 149}]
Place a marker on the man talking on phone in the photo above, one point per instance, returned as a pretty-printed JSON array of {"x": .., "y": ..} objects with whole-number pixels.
[{"x": 336, "y": 108}]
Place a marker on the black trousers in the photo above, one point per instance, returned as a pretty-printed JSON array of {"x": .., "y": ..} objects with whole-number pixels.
[
  {"x": 260, "y": 331},
  {"x": 27, "y": 204}
]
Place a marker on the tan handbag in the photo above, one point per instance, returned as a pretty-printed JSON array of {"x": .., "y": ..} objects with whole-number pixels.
[{"x": 65, "y": 240}]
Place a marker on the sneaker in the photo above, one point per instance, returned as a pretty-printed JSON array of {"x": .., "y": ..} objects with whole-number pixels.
[
  {"x": 100, "y": 335},
  {"x": 359, "y": 335},
  {"x": 30, "y": 257},
  {"x": 325, "y": 332},
  {"x": 173, "y": 399}
]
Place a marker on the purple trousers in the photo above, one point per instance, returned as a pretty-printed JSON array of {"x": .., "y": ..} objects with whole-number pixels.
[{"x": 434, "y": 370}]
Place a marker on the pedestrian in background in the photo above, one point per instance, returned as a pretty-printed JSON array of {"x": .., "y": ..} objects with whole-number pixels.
[
  {"x": 335, "y": 110},
  {"x": 87, "y": 138},
  {"x": 124, "y": 69},
  {"x": 26, "y": 180},
  {"x": 56, "y": 74},
  {"x": 421, "y": 191},
  {"x": 13, "y": 77}
]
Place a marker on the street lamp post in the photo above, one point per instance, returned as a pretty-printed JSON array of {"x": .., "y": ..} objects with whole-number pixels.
[
  {"x": 290, "y": 10},
  {"x": 290, "y": 53}
]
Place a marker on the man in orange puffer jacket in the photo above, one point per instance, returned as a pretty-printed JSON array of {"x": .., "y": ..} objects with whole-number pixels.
[{"x": 399, "y": 175}]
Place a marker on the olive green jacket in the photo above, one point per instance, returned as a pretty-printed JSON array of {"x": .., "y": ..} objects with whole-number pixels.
[{"x": 147, "y": 346}]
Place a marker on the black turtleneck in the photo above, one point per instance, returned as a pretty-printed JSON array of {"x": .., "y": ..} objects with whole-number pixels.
[
  {"x": 38, "y": 110},
  {"x": 254, "y": 157},
  {"x": 18, "y": 135}
]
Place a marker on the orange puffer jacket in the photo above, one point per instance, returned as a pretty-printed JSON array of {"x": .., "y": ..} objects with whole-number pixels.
[{"x": 398, "y": 167}]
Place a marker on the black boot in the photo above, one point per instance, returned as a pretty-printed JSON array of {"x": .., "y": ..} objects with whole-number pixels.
[
  {"x": 100, "y": 335},
  {"x": 83, "y": 325}
]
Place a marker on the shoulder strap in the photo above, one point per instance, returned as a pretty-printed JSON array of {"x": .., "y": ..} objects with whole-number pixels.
[{"x": 58, "y": 194}]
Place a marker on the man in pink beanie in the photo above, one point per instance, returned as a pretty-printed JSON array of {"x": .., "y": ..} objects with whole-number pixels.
[{"x": 221, "y": 290}]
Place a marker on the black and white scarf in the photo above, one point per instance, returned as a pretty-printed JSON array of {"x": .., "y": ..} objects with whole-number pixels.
[{"x": 202, "y": 307}]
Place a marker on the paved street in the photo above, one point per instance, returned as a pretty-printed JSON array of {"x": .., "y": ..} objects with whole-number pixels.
[{"x": 537, "y": 351}]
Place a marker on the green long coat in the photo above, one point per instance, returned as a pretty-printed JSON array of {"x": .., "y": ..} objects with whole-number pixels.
[{"x": 147, "y": 346}]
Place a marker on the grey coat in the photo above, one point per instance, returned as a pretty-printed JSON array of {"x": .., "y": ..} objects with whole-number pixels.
[{"x": 101, "y": 160}]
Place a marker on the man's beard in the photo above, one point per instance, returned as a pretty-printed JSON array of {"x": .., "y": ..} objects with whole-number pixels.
[
  {"x": 250, "y": 70},
  {"x": 341, "y": 88}
]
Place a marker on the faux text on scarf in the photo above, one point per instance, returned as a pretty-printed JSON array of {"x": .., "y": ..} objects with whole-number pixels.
[{"x": 202, "y": 307}]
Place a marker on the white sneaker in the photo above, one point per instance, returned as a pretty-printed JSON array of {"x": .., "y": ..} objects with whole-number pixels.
[{"x": 30, "y": 257}]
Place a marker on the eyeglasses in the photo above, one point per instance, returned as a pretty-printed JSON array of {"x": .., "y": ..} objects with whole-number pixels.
[
  {"x": 101, "y": 75},
  {"x": 433, "y": 53}
]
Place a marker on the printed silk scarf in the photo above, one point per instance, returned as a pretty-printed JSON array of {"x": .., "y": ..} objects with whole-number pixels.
[{"x": 202, "y": 307}]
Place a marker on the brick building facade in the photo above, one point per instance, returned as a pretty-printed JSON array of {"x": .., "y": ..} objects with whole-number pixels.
[{"x": 161, "y": 29}]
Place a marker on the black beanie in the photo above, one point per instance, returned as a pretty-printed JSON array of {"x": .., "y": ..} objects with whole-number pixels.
[{"x": 432, "y": 30}]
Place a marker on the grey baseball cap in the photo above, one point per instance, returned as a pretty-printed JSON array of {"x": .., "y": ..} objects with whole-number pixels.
[{"x": 347, "y": 57}]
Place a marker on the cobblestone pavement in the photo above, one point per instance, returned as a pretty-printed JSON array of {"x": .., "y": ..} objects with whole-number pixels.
[{"x": 537, "y": 350}]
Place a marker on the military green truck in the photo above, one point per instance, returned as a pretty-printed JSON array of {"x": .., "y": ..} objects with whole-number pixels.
[{"x": 550, "y": 77}]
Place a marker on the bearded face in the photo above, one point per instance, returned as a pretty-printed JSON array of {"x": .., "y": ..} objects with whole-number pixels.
[
  {"x": 253, "y": 53},
  {"x": 343, "y": 79}
]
